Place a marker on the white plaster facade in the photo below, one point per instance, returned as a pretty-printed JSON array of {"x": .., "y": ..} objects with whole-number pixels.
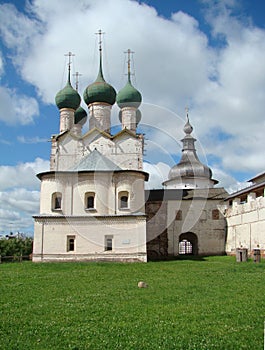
[
  {"x": 92, "y": 204},
  {"x": 245, "y": 215},
  {"x": 89, "y": 234}
]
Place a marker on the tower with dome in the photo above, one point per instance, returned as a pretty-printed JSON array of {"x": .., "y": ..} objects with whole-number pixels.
[{"x": 93, "y": 202}]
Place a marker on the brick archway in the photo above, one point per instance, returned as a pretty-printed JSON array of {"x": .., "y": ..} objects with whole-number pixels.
[{"x": 188, "y": 244}]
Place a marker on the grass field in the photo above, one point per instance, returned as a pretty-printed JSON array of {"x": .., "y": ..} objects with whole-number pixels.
[{"x": 212, "y": 303}]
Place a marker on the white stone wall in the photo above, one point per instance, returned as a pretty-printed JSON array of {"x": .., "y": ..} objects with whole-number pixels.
[
  {"x": 105, "y": 185},
  {"x": 128, "y": 116},
  {"x": 66, "y": 119},
  {"x": 129, "y": 238},
  {"x": 99, "y": 116},
  {"x": 124, "y": 150},
  {"x": 245, "y": 224}
]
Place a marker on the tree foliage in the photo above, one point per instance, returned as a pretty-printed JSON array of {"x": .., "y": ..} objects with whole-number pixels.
[{"x": 16, "y": 246}]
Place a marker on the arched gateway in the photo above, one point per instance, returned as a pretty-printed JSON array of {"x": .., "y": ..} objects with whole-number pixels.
[{"x": 188, "y": 244}]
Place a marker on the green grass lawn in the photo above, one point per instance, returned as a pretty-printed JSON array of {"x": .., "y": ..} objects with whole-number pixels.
[{"x": 213, "y": 303}]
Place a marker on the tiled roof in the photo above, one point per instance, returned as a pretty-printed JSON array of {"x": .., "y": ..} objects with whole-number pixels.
[{"x": 95, "y": 161}]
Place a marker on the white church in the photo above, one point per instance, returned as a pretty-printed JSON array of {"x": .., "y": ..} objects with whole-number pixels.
[{"x": 93, "y": 202}]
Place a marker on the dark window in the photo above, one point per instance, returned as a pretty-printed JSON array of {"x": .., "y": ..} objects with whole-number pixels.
[
  {"x": 124, "y": 202},
  {"x": 70, "y": 243},
  {"x": 108, "y": 244},
  {"x": 90, "y": 202},
  {"x": 58, "y": 202}
]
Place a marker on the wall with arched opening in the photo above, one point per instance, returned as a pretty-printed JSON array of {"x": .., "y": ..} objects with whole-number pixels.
[{"x": 188, "y": 244}]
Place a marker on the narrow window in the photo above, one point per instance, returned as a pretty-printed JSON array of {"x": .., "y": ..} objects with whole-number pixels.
[
  {"x": 124, "y": 200},
  {"x": 70, "y": 243},
  {"x": 90, "y": 200},
  {"x": 56, "y": 201},
  {"x": 108, "y": 242}
]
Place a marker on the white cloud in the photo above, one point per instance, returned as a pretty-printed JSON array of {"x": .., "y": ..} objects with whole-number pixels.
[
  {"x": 158, "y": 173},
  {"x": 17, "y": 30},
  {"x": 19, "y": 195},
  {"x": 175, "y": 66},
  {"x": 17, "y": 108},
  {"x": 227, "y": 181},
  {"x": 22, "y": 175},
  {"x": 21, "y": 200},
  {"x": 31, "y": 140}
]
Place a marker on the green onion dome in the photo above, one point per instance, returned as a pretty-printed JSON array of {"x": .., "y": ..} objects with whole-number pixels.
[
  {"x": 129, "y": 96},
  {"x": 100, "y": 91},
  {"x": 80, "y": 116},
  {"x": 68, "y": 97}
]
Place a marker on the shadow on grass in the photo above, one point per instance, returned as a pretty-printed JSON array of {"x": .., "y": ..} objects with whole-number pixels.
[{"x": 179, "y": 257}]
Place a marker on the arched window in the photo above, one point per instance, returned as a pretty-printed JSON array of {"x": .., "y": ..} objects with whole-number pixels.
[
  {"x": 56, "y": 201},
  {"x": 90, "y": 200},
  {"x": 123, "y": 200},
  {"x": 185, "y": 247},
  {"x": 188, "y": 243}
]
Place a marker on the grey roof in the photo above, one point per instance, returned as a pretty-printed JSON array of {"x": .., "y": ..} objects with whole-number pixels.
[
  {"x": 189, "y": 165},
  {"x": 95, "y": 161},
  {"x": 259, "y": 177},
  {"x": 218, "y": 193},
  {"x": 246, "y": 190}
]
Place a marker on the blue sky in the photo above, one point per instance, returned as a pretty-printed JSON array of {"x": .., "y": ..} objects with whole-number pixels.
[{"x": 204, "y": 54}]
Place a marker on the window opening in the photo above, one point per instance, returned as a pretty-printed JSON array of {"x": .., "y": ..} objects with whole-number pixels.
[
  {"x": 90, "y": 202},
  {"x": 70, "y": 243},
  {"x": 124, "y": 202},
  {"x": 56, "y": 201},
  {"x": 185, "y": 247},
  {"x": 108, "y": 243}
]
